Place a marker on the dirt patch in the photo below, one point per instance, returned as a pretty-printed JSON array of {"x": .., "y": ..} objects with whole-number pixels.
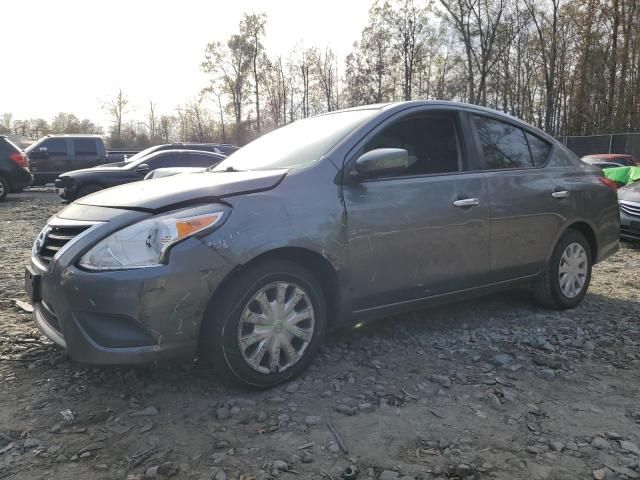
[{"x": 493, "y": 388}]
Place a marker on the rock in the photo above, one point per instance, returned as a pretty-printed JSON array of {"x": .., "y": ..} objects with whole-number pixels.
[
  {"x": 463, "y": 470},
  {"x": 502, "y": 359},
  {"x": 280, "y": 465},
  {"x": 146, "y": 412},
  {"x": 366, "y": 407},
  {"x": 546, "y": 374},
  {"x": 389, "y": 475},
  {"x": 92, "y": 447},
  {"x": 221, "y": 475},
  {"x": 262, "y": 416},
  {"x": 556, "y": 446},
  {"x": 292, "y": 388},
  {"x": 345, "y": 410},
  {"x": 223, "y": 413},
  {"x": 168, "y": 469},
  {"x": 235, "y": 411},
  {"x": 333, "y": 447},
  {"x": 629, "y": 447},
  {"x": 85, "y": 455},
  {"x": 152, "y": 472},
  {"x": 600, "y": 443},
  {"x": 31, "y": 443},
  {"x": 307, "y": 457},
  {"x": 147, "y": 427},
  {"x": 599, "y": 474},
  {"x": 312, "y": 420},
  {"x": 443, "y": 380}
]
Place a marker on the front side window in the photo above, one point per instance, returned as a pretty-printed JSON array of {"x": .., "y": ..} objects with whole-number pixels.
[
  {"x": 503, "y": 145},
  {"x": 85, "y": 146},
  {"x": 431, "y": 141},
  {"x": 56, "y": 146},
  {"x": 199, "y": 160}
]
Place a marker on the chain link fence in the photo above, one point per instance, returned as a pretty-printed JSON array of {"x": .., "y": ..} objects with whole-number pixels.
[{"x": 593, "y": 144}]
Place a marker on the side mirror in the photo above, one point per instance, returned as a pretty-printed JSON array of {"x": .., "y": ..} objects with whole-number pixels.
[
  {"x": 382, "y": 161},
  {"x": 142, "y": 169}
]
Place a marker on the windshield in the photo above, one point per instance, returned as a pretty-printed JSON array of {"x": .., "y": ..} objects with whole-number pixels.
[
  {"x": 298, "y": 144},
  {"x": 141, "y": 154}
]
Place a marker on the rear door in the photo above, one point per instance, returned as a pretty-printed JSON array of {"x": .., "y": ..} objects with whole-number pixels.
[
  {"x": 410, "y": 235},
  {"x": 528, "y": 202},
  {"x": 85, "y": 153}
]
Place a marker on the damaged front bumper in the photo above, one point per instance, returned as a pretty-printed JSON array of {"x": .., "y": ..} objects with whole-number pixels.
[{"x": 128, "y": 316}]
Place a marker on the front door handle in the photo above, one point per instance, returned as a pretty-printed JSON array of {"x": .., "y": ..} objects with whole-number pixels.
[
  {"x": 466, "y": 202},
  {"x": 560, "y": 194}
]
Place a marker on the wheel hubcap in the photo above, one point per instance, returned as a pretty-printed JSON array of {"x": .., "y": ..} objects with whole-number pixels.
[
  {"x": 572, "y": 273},
  {"x": 276, "y": 327}
]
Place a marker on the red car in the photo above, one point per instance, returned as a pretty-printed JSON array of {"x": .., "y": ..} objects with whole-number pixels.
[{"x": 621, "y": 158}]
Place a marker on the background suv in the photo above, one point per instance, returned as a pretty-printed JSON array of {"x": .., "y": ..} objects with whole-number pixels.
[{"x": 14, "y": 169}]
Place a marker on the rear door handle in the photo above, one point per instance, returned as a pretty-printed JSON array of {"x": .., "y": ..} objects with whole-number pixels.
[
  {"x": 466, "y": 202},
  {"x": 560, "y": 194}
]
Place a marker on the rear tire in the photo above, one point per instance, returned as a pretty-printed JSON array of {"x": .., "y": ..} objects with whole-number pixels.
[
  {"x": 264, "y": 305},
  {"x": 4, "y": 188},
  {"x": 566, "y": 278}
]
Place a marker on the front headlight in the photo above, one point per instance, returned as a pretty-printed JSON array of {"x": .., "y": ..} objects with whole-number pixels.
[{"x": 146, "y": 243}]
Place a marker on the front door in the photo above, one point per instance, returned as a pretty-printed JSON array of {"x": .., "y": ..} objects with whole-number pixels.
[{"x": 425, "y": 230}]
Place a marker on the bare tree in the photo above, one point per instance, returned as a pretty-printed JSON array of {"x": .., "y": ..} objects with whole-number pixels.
[{"x": 117, "y": 108}]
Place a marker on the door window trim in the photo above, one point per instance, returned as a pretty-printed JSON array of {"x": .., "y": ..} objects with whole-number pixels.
[
  {"x": 479, "y": 151},
  {"x": 461, "y": 140}
]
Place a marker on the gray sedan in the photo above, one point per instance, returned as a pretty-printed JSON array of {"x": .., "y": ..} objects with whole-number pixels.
[{"x": 326, "y": 222}]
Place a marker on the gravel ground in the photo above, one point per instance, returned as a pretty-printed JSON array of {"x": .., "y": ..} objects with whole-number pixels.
[{"x": 491, "y": 388}]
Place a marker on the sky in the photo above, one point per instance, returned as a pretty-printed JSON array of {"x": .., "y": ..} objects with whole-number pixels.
[{"x": 74, "y": 55}]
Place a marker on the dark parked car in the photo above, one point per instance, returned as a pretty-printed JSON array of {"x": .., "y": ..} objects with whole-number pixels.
[
  {"x": 342, "y": 217},
  {"x": 629, "y": 202},
  {"x": 621, "y": 158},
  {"x": 55, "y": 154},
  {"x": 221, "y": 148},
  {"x": 79, "y": 183},
  {"x": 14, "y": 170}
]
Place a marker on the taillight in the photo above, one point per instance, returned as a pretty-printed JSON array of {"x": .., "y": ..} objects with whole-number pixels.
[
  {"x": 609, "y": 183},
  {"x": 19, "y": 159}
]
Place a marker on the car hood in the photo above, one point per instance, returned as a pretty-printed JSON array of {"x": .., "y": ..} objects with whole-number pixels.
[
  {"x": 93, "y": 170},
  {"x": 630, "y": 193},
  {"x": 165, "y": 193}
]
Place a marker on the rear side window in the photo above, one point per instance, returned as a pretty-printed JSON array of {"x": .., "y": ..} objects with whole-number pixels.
[
  {"x": 539, "y": 149},
  {"x": 85, "y": 146},
  {"x": 56, "y": 146},
  {"x": 430, "y": 140},
  {"x": 198, "y": 160},
  {"x": 503, "y": 145},
  {"x": 164, "y": 160}
]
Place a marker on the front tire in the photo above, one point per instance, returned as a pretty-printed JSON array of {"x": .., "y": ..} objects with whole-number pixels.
[
  {"x": 566, "y": 278},
  {"x": 266, "y": 325}
]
